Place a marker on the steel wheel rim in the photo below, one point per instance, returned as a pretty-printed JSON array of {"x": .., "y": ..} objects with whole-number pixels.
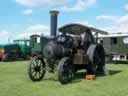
[{"x": 37, "y": 69}]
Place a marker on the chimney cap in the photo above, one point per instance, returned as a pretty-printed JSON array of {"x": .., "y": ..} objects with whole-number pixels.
[{"x": 54, "y": 12}]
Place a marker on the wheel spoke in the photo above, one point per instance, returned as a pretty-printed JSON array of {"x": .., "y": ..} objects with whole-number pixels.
[
  {"x": 34, "y": 75},
  {"x": 32, "y": 70},
  {"x": 38, "y": 76},
  {"x": 40, "y": 73},
  {"x": 34, "y": 63},
  {"x": 38, "y": 62}
]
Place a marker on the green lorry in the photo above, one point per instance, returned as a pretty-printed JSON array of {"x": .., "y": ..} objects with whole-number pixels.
[{"x": 19, "y": 49}]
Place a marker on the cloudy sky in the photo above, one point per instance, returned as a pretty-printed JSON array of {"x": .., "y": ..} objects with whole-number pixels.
[{"x": 21, "y": 18}]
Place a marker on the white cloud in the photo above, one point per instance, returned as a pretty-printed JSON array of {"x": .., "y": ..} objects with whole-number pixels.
[
  {"x": 4, "y": 37},
  {"x": 41, "y": 3},
  {"x": 79, "y": 6},
  {"x": 126, "y": 6},
  {"x": 27, "y": 11},
  {"x": 123, "y": 19},
  {"x": 123, "y": 28},
  {"x": 107, "y": 17},
  {"x": 120, "y": 23},
  {"x": 116, "y": 19},
  {"x": 38, "y": 28},
  {"x": 34, "y": 29},
  {"x": 25, "y": 2},
  {"x": 27, "y": 35}
]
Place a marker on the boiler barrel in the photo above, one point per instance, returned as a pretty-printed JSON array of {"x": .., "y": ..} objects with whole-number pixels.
[{"x": 54, "y": 50}]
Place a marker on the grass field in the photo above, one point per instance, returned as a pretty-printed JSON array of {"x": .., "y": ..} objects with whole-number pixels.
[{"x": 14, "y": 81}]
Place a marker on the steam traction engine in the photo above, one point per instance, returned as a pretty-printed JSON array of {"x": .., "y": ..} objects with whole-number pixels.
[{"x": 72, "y": 49}]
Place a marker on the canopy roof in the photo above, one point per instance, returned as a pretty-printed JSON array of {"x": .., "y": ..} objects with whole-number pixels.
[{"x": 78, "y": 29}]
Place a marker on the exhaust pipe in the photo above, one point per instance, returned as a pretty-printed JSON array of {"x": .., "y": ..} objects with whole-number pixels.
[{"x": 54, "y": 16}]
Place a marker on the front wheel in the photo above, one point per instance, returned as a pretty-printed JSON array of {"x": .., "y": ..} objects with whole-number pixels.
[
  {"x": 65, "y": 70},
  {"x": 36, "y": 70}
]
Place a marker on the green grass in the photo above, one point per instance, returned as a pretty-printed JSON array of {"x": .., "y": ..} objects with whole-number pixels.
[{"x": 14, "y": 81}]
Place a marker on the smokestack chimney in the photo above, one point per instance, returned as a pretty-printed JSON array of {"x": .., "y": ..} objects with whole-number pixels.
[{"x": 54, "y": 15}]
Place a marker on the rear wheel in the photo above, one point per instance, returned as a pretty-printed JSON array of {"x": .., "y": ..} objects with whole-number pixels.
[
  {"x": 97, "y": 59},
  {"x": 36, "y": 70},
  {"x": 65, "y": 70}
]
